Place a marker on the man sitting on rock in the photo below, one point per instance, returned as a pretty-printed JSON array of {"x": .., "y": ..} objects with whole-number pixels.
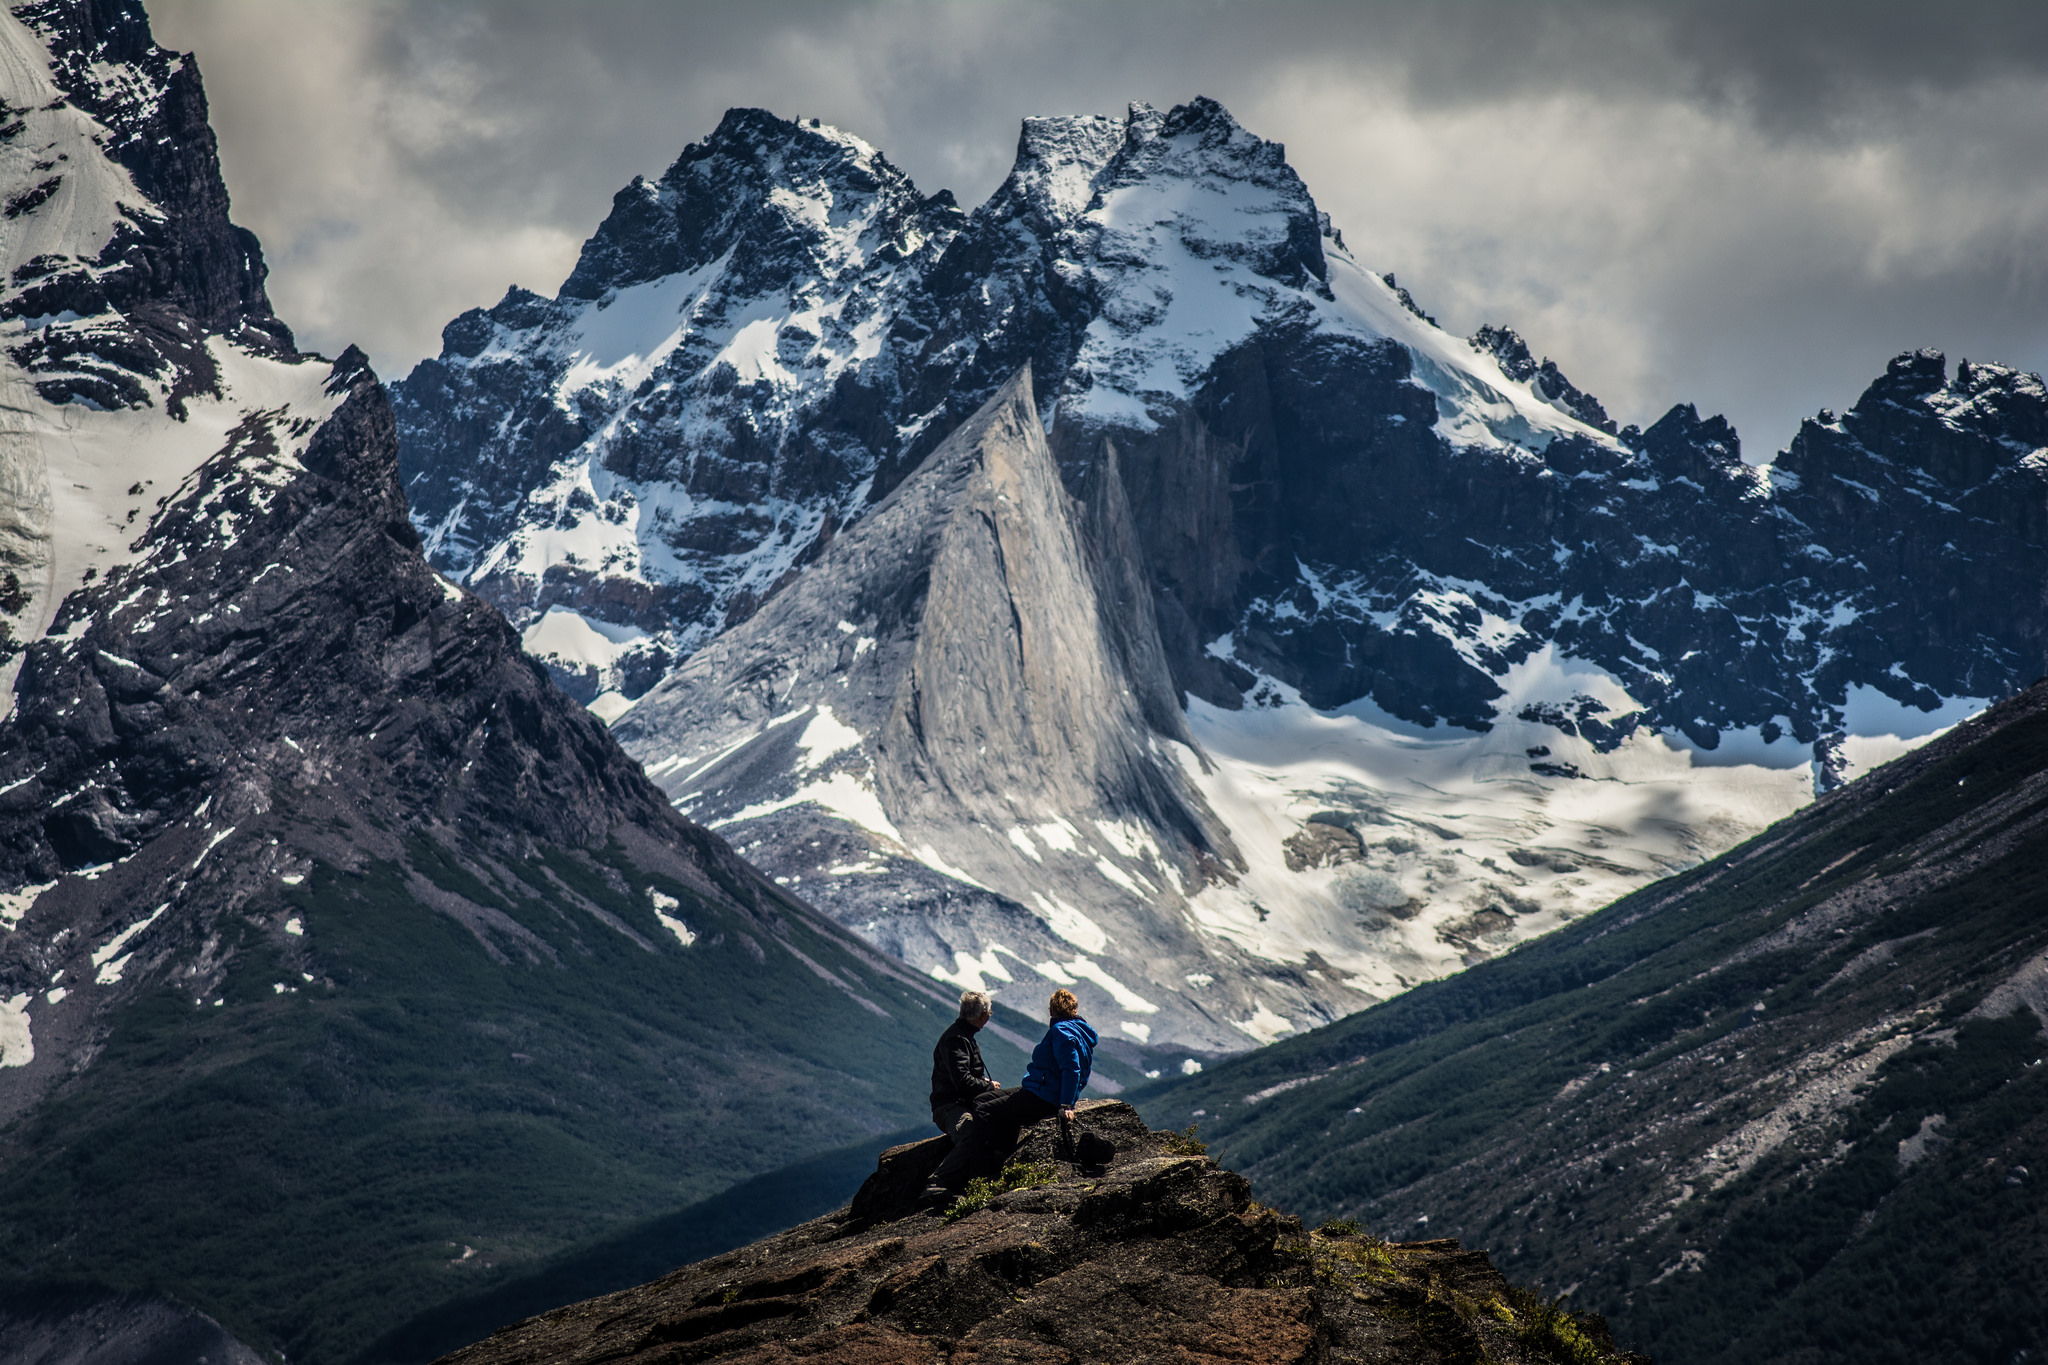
[
  {"x": 958, "y": 1077},
  {"x": 1052, "y": 1085}
]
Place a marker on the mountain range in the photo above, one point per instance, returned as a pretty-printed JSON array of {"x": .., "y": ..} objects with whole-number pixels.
[
  {"x": 454, "y": 838},
  {"x": 1383, "y": 649}
]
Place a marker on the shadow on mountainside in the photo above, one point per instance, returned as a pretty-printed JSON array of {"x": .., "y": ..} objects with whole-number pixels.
[{"x": 749, "y": 1210}]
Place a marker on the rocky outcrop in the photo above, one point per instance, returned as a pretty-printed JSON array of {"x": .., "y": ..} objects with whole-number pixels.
[
  {"x": 1156, "y": 1254},
  {"x": 1546, "y": 379}
]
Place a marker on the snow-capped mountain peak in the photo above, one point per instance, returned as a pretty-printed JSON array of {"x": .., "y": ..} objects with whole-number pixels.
[
  {"x": 143, "y": 364},
  {"x": 1343, "y": 527},
  {"x": 646, "y": 449},
  {"x": 1058, "y": 161},
  {"x": 771, "y": 192}
]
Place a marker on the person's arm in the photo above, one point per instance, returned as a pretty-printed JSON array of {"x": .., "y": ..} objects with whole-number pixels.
[
  {"x": 1069, "y": 1053},
  {"x": 987, "y": 1082}
]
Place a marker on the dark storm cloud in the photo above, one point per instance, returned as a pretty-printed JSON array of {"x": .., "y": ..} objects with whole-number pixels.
[{"x": 1746, "y": 205}]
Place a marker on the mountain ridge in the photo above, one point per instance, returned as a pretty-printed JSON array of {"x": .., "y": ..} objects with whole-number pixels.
[
  {"x": 1080, "y": 260},
  {"x": 1786, "y": 1104}
]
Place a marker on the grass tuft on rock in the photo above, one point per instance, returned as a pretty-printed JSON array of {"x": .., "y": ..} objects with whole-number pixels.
[
  {"x": 1018, "y": 1175},
  {"x": 1553, "y": 1332}
]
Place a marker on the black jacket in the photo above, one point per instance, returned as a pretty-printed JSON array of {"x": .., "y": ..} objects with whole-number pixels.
[{"x": 957, "y": 1073}]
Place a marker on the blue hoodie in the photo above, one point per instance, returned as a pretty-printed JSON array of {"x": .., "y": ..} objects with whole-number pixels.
[{"x": 1060, "y": 1063}]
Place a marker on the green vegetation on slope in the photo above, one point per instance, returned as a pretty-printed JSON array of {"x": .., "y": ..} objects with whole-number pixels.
[
  {"x": 424, "y": 1117},
  {"x": 1849, "y": 1261},
  {"x": 643, "y": 1251}
]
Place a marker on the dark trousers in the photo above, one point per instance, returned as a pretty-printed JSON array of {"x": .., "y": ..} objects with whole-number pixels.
[
  {"x": 949, "y": 1117},
  {"x": 988, "y": 1139}
]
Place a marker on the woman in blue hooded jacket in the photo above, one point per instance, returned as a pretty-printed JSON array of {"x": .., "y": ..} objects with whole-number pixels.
[
  {"x": 1052, "y": 1085},
  {"x": 1061, "y": 1061}
]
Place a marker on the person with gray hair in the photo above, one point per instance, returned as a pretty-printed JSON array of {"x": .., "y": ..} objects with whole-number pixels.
[
  {"x": 1059, "y": 1071},
  {"x": 958, "y": 1077}
]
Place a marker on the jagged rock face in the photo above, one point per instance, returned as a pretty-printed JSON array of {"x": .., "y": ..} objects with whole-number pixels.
[
  {"x": 280, "y": 602},
  {"x": 1074, "y": 269},
  {"x": 1328, "y": 490},
  {"x": 1940, "y": 482},
  {"x": 1117, "y": 257},
  {"x": 306, "y": 867},
  {"x": 709, "y": 395},
  {"x": 957, "y": 688},
  {"x": 958, "y": 734},
  {"x": 1720, "y": 596},
  {"x": 121, "y": 268},
  {"x": 1549, "y": 381},
  {"x": 1789, "y": 1104},
  {"x": 133, "y": 224},
  {"x": 1155, "y": 1255},
  {"x": 893, "y": 318}
]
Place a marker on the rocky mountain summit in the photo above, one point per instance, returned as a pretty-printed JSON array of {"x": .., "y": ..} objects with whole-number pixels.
[
  {"x": 1437, "y": 655},
  {"x": 1328, "y": 489},
  {"x": 753, "y": 352},
  {"x": 1791, "y": 1104},
  {"x": 120, "y": 266},
  {"x": 322, "y": 909},
  {"x": 696, "y": 409},
  {"x": 121, "y": 258},
  {"x": 1155, "y": 1254}
]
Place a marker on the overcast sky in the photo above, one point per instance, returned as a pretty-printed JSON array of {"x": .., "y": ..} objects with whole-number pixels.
[{"x": 1749, "y": 206}]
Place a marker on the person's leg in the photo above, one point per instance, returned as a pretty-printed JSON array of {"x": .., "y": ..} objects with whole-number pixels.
[
  {"x": 997, "y": 1125},
  {"x": 952, "y": 1174},
  {"x": 948, "y": 1117},
  {"x": 986, "y": 1141}
]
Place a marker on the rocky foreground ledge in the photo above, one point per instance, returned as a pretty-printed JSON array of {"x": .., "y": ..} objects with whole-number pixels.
[{"x": 1154, "y": 1254}]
